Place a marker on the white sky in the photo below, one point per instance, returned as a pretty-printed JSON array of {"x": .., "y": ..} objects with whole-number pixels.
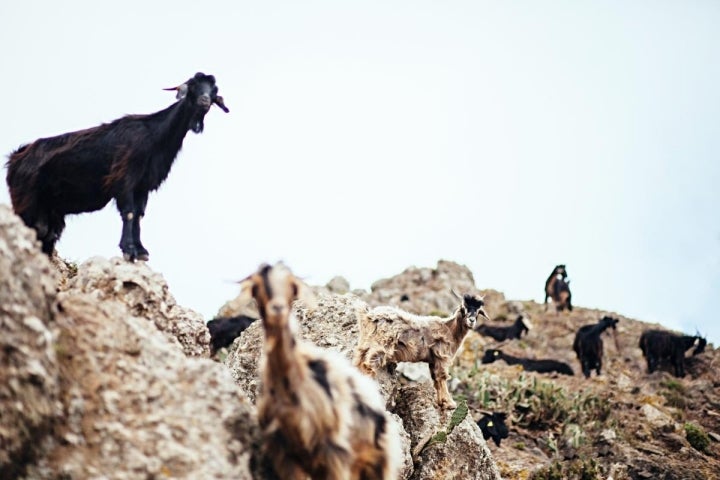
[{"x": 365, "y": 137}]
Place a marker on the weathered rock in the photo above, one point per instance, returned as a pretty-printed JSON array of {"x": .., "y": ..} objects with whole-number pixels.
[
  {"x": 137, "y": 407},
  {"x": 332, "y": 323},
  {"x": 338, "y": 285},
  {"x": 146, "y": 294},
  {"x": 89, "y": 389},
  {"x": 29, "y": 382}
]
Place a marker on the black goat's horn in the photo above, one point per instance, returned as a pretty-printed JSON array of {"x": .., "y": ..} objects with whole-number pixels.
[{"x": 221, "y": 103}]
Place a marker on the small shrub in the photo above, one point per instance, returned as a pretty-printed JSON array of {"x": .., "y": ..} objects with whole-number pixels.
[
  {"x": 573, "y": 470},
  {"x": 697, "y": 437}
]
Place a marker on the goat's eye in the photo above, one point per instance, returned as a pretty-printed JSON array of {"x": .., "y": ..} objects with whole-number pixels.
[
  {"x": 254, "y": 290},
  {"x": 294, "y": 289}
]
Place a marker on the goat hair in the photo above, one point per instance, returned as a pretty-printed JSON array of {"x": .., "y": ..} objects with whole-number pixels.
[
  {"x": 588, "y": 344},
  {"x": 123, "y": 160},
  {"x": 528, "y": 364},
  {"x": 660, "y": 346},
  {"x": 389, "y": 335},
  {"x": 320, "y": 417}
]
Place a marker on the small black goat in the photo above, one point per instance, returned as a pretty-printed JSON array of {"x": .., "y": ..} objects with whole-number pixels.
[
  {"x": 493, "y": 426},
  {"x": 659, "y": 346},
  {"x": 123, "y": 160},
  {"x": 224, "y": 330},
  {"x": 528, "y": 364},
  {"x": 557, "y": 287},
  {"x": 558, "y": 272},
  {"x": 505, "y": 333},
  {"x": 588, "y": 345}
]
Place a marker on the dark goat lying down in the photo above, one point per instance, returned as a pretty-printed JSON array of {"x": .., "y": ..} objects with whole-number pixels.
[
  {"x": 505, "y": 333},
  {"x": 493, "y": 426},
  {"x": 123, "y": 160},
  {"x": 224, "y": 330},
  {"x": 588, "y": 344},
  {"x": 659, "y": 346},
  {"x": 528, "y": 364}
]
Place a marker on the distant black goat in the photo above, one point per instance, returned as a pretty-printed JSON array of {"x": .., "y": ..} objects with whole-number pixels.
[
  {"x": 661, "y": 346},
  {"x": 541, "y": 366},
  {"x": 123, "y": 160},
  {"x": 505, "y": 333},
  {"x": 493, "y": 426},
  {"x": 588, "y": 344},
  {"x": 558, "y": 272},
  {"x": 223, "y": 330}
]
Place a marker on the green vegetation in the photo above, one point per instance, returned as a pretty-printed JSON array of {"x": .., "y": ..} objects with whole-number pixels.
[
  {"x": 573, "y": 470},
  {"x": 457, "y": 416},
  {"x": 697, "y": 437},
  {"x": 539, "y": 404},
  {"x": 674, "y": 393}
]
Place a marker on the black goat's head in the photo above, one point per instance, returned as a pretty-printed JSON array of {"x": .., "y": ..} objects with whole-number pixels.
[
  {"x": 471, "y": 307},
  {"x": 560, "y": 270},
  {"x": 700, "y": 344},
  {"x": 200, "y": 92},
  {"x": 609, "y": 322},
  {"x": 493, "y": 426},
  {"x": 491, "y": 355}
]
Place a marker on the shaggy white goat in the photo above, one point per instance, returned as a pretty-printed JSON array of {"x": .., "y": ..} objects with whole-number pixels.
[{"x": 389, "y": 335}]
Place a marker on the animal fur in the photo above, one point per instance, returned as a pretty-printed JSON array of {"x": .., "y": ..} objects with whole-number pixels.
[
  {"x": 320, "y": 417},
  {"x": 389, "y": 335}
]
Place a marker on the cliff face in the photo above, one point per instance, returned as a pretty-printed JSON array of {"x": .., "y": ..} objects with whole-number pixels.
[
  {"x": 98, "y": 380},
  {"x": 104, "y": 375}
]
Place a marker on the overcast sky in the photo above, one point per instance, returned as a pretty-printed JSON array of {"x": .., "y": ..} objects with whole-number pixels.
[{"x": 366, "y": 137}]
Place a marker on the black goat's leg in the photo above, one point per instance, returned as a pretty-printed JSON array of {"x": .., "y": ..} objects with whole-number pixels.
[
  {"x": 141, "y": 199},
  {"x": 126, "y": 207}
]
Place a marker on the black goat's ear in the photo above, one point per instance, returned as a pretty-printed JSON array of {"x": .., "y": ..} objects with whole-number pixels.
[{"x": 220, "y": 102}]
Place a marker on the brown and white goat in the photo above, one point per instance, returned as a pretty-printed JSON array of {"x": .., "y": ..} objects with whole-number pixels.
[
  {"x": 389, "y": 335},
  {"x": 320, "y": 417}
]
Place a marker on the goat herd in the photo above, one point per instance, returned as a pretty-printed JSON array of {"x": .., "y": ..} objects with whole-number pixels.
[{"x": 321, "y": 416}]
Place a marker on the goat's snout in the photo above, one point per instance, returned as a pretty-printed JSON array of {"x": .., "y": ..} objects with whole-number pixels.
[{"x": 204, "y": 101}]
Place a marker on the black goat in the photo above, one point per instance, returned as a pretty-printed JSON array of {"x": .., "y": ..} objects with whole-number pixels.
[
  {"x": 123, "y": 160},
  {"x": 558, "y": 272},
  {"x": 659, "y": 346},
  {"x": 505, "y": 333},
  {"x": 588, "y": 345},
  {"x": 493, "y": 426},
  {"x": 224, "y": 330},
  {"x": 528, "y": 364}
]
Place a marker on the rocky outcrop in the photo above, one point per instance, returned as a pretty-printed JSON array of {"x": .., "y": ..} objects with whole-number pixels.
[
  {"x": 146, "y": 294},
  {"x": 331, "y": 323},
  {"x": 29, "y": 381},
  {"x": 89, "y": 388}
]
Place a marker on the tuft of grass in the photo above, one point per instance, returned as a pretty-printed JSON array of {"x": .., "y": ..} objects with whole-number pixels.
[
  {"x": 674, "y": 393},
  {"x": 697, "y": 437},
  {"x": 540, "y": 404},
  {"x": 573, "y": 470}
]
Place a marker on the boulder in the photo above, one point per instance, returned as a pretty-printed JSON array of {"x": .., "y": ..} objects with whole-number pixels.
[{"x": 146, "y": 295}]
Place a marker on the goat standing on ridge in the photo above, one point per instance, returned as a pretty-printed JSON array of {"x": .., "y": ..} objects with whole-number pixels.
[
  {"x": 320, "y": 417},
  {"x": 557, "y": 287},
  {"x": 528, "y": 364},
  {"x": 660, "y": 346},
  {"x": 389, "y": 335},
  {"x": 588, "y": 344},
  {"x": 123, "y": 160}
]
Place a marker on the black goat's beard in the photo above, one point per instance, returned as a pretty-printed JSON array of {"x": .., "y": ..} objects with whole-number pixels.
[{"x": 197, "y": 125}]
